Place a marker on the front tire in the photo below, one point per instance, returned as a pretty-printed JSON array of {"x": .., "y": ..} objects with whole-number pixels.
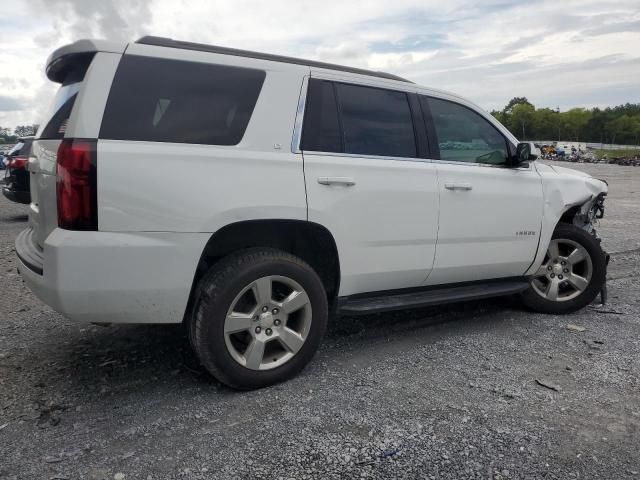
[
  {"x": 571, "y": 275},
  {"x": 259, "y": 317}
]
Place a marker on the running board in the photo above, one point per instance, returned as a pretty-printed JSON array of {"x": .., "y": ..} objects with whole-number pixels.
[{"x": 426, "y": 298}]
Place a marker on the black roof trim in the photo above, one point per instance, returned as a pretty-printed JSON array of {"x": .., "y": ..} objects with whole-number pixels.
[{"x": 168, "y": 42}]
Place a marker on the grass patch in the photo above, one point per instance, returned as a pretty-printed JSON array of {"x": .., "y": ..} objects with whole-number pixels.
[{"x": 618, "y": 153}]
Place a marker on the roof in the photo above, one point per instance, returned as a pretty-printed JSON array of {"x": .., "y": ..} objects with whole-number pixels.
[{"x": 168, "y": 42}]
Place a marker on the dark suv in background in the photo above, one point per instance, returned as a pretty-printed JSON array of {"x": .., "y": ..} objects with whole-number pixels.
[{"x": 16, "y": 178}]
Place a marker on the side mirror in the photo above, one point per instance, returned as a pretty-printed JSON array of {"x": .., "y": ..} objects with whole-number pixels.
[{"x": 525, "y": 152}]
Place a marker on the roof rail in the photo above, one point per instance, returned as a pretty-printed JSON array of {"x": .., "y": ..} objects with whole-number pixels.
[{"x": 168, "y": 42}]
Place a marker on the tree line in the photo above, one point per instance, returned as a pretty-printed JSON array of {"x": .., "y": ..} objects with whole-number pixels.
[
  {"x": 620, "y": 124},
  {"x": 11, "y": 136}
]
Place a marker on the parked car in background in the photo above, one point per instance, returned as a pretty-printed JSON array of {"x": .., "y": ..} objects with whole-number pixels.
[
  {"x": 313, "y": 188},
  {"x": 3, "y": 156},
  {"x": 16, "y": 180}
]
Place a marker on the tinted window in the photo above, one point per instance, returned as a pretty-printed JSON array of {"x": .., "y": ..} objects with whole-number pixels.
[
  {"x": 57, "y": 126},
  {"x": 465, "y": 136},
  {"x": 321, "y": 130},
  {"x": 63, "y": 102},
  {"x": 164, "y": 100},
  {"x": 376, "y": 121}
]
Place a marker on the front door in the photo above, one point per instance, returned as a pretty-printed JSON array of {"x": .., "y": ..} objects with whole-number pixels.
[{"x": 490, "y": 214}]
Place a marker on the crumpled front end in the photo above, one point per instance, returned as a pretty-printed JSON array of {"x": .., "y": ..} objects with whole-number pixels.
[{"x": 569, "y": 196}]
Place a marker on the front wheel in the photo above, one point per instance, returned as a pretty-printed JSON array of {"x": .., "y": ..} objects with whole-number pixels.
[
  {"x": 572, "y": 274},
  {"x": 259, "y": 317}
]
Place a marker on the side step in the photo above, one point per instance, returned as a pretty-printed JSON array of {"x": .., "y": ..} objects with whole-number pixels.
[{"x": 426, "y": 298}]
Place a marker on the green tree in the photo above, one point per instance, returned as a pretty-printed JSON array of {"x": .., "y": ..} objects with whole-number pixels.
[
  {"x": 6, "y": 136},
  {"x": 545, "y": 124},
  {"x": 501, "y": 117},
  {"x": 619, "y": 124},
  {"x": 25, "y": 130},
  {"x": 574, "y": 121},
  {"x": 624, "y": 129},
  {"x": 521, "y": 118},
  {"x": 513, "y": 102}
]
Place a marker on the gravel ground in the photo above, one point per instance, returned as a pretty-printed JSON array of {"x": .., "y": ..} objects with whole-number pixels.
[{"x": 451, "y": 392}]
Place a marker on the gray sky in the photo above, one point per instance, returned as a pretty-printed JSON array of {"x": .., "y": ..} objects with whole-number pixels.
[{"x": 557, "y": 53}]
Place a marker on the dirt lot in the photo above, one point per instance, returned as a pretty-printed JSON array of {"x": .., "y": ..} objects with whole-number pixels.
[{"x": 439, "y": 393}]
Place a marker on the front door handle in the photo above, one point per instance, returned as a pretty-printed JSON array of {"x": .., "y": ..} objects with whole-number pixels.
[
  {"x": 458, "y": 186},
  {"x": 346, "y": 181}
]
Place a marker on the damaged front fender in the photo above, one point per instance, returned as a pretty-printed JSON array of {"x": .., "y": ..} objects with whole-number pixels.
[{"x": 569, "y": 196}]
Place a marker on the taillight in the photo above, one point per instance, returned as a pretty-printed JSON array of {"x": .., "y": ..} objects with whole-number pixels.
[
  {"x": 76, "y": 185},
  {"x": 17, "y": 163}
]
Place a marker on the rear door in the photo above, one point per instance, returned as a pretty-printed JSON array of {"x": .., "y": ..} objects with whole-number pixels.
[
  {"x": 490, "y": 214},
  {"x": 368, "y": 182}
]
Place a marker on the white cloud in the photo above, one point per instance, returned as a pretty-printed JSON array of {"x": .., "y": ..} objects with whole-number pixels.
[{"x": 570, "y": 53}]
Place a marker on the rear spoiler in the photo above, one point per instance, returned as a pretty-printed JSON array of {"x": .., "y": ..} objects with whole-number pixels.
[{"x": 64, "y": 58}]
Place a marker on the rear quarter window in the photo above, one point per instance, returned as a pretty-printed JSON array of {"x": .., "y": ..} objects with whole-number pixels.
[
  {"x": 161, "y": 100},
  {"x": 56, "y": 124}
]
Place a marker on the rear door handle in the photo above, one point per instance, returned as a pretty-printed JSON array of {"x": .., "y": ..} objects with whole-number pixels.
[
  {"x": 458, "y": 186},
  {"x": 346, "y": 181}
]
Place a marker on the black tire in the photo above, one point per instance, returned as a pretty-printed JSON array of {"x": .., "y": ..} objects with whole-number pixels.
[
  {"x": 536, "y": 302},
  {"x": 214, "y": 296}
]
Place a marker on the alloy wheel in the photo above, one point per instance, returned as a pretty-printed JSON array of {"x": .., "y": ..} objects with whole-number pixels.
[
  {"x": 268, "y": 322},
  {"x": 565, "y": 272}
]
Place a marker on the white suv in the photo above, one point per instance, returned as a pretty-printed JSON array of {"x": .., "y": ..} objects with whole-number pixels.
[{"x": 248, "y": 195}]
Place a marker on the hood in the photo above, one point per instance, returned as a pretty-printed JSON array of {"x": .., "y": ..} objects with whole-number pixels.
[
  {"x": 583, "y": 184},
  {"x": 569, "y": 171}
]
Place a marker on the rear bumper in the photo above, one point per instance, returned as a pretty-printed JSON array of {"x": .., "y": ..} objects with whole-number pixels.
[{"x": 112, "y": 277}]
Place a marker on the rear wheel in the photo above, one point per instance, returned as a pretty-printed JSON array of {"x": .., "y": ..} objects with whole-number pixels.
[
  {"x": 571, "y": 275},
  {"x": 259, "y": 317}
]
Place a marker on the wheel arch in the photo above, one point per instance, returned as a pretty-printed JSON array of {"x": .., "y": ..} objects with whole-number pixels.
[
  {"x": 558, "y": 213},
  {"x": 309, "y": 241}
]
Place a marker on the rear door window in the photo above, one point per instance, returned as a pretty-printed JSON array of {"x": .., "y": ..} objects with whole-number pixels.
[
  {"x": 376, "y": 121},
  {"x": 162, "y": 100}
]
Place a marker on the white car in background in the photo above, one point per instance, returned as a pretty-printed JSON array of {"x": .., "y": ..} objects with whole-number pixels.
[{"x": 302, "y": 188}]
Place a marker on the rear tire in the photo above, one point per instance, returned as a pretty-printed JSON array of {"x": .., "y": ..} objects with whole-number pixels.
[
  {"x": 258, "y": 318},
  {"x": 572, "y": 273}
]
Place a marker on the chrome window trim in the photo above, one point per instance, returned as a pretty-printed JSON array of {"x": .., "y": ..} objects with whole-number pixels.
[
  {"x": 455, "y": 162},
  {"x": 506, "y": 167},
  {"x": 297, "y": 126},
  {"x": 299, "y": 120},
  {"x": 411, "y": 159},
  {"x": 370, "y": 157},
  {"x": 484, "y": 165}
]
